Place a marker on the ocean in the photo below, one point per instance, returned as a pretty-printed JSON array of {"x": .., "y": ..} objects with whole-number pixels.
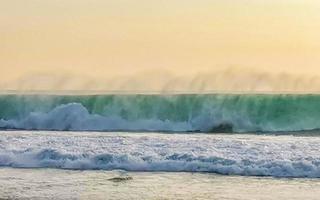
[
  {"x": 58, "y": 184},
  {"x": 225, "y": 146}
]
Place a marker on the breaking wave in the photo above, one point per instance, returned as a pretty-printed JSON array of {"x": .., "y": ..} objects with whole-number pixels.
[
  {"x": 49, "y": 158},
  {"x": 171, "y": 113},
  {"x": 247, "y": 155}
]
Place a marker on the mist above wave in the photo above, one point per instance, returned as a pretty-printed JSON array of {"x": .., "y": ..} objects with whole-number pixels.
[{"x": 218, "y": 79}]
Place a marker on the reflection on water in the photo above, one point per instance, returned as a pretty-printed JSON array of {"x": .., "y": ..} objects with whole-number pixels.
[{"x": 68, "y": 184}]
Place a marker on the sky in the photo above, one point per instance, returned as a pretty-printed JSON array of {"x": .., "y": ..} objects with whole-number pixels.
[{"x": 152, "y": 45}]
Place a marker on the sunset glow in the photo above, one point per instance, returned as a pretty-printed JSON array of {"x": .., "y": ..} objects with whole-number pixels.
[{"x": 91, "y": 42}]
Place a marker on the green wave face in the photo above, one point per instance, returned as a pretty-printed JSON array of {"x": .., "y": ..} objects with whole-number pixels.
[{"x": 206, "y": 113}]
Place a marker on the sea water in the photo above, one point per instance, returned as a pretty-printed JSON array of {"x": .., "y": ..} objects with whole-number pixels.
[
  {"x": 214, "y": 146},
  {"x": 97, "y": 165},
  {"x": 101, "y": 185},
  {"x": 206, "y": 113}
]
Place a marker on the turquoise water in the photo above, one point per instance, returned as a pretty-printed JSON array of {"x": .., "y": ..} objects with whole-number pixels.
[
  {"x": 171, "y": 113},
  {"x": 49, "y": 150}
]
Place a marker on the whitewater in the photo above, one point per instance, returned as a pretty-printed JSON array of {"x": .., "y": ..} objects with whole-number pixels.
[
  {"x": 245, "y": 155},
  {"x": 206, "y": 113},
  {"x": 270, "y": 135}
]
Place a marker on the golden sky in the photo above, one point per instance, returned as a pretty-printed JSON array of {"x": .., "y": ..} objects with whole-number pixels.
[{"x": 44, "y": 42}]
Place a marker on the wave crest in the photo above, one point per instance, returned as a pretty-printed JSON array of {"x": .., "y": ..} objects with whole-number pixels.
[
  {"x": 75, "y": 117},
  {"x": 175, "y": 113}
]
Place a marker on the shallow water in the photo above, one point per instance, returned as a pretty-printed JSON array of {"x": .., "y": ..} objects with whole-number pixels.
[{"x": 90, "y": 184}]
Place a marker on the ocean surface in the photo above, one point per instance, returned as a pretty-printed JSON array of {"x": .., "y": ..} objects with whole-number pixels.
[
  {"x": 208, "y": 113},
  {"x": 57, "y": 184},
  {"x": 114, "y": 165},
  {"x": 160, "y": 146}
]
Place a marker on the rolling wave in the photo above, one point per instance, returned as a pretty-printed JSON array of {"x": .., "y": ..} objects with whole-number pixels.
[
  {"x": 171, "y": 113},
  {"x": 247, "y": 155},
  {"x": 50, "y": 158}
]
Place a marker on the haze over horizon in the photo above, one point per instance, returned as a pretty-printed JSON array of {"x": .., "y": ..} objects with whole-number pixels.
[{"x": 149, "y": 45}]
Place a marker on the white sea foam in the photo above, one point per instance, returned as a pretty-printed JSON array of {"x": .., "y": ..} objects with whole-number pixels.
[
  {"x": 279, "y": 156},
  {"x": 75, "y": 117}
]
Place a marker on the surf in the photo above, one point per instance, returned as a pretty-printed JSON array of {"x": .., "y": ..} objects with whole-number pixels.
[
  {"x": 206, "y": 113},
  {"x": 245, "y": 155}
]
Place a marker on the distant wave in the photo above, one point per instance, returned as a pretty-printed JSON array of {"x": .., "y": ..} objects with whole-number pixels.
[
  {"x": 170, "y": 113},
  {"x": 246, "y": 155}
]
